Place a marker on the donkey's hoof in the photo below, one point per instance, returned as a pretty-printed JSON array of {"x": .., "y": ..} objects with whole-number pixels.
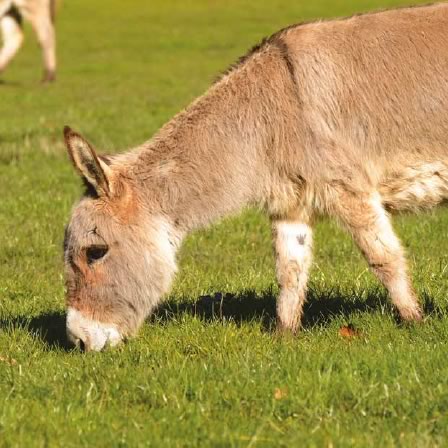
[
  {"x": 283, "y": 330},
  {"x": 412, "y": 315}
]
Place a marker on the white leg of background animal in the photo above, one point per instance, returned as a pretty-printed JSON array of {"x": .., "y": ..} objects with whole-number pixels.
[
  {"x": 12, "y": 39},
  {"x": 293, "y": 247},
  {"x": 372, "y": 231},
  {"x": 44, "y": 28}
]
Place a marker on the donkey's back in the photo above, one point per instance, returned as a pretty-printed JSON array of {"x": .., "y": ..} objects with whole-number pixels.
[{"x": 374, "y": 96}]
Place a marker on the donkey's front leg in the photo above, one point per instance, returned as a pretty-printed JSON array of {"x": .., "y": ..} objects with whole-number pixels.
[{"x": 293, "y": 248}]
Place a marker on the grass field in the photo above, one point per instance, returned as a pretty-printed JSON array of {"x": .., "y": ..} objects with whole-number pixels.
[{"x": 207, "y": 369}]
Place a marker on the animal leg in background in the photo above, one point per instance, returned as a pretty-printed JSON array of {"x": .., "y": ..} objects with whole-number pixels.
[
  {"x": 370, "y": 226},
  {"x": 12, "y": 34},
  {"x": 293, "y": 247},
  {"x": 42, "y": 23}
]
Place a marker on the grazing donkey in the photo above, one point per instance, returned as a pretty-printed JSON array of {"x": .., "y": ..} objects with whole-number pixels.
[
  {"x": 346, "y": 118},
  {"x": 41, "y": 15}
]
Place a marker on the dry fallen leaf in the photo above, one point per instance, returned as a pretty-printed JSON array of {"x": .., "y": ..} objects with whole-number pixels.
[
  {"x": 10, "y": 361},
  {"x": 280, "y": 393},
  {"x": 349, "y": 332}
]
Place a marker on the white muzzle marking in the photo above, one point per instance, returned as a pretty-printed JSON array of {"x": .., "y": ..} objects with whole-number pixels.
[{"x": 94, "y": 335}]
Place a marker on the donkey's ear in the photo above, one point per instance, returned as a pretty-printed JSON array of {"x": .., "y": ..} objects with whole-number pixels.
[{"x": 96, "y": 172}]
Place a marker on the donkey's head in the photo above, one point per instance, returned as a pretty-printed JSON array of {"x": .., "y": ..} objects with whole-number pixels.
[{"x": 119, "y": 256}]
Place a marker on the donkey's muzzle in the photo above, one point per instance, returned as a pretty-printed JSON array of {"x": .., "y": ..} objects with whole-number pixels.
[{"x": 90, "y": 335}]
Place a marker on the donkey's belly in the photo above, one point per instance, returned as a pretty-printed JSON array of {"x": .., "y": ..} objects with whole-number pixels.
[{"x": 415, "y": 187}]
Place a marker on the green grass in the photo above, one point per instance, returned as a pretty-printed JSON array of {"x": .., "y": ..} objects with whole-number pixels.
[{"x": 204, "y": 371}]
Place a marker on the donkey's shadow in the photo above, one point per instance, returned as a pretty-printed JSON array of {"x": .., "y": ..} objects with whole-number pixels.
[
  {"x": 320, "y": 309},
  {"x": 9, "y": 83},
  {"x": 49, "y": 328}
]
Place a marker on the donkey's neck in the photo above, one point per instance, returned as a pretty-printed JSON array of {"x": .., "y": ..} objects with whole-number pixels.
[{"x": 209, "y": 160}]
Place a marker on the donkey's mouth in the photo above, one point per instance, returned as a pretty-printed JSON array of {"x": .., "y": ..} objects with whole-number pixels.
[{"x": 90, "y": 335}]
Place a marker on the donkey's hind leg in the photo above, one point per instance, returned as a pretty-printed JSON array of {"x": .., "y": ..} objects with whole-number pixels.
[
  {"x": 293, "y": 248},
  {"x": 12, "y": 34},
  {"x": 370, "y": 226}
]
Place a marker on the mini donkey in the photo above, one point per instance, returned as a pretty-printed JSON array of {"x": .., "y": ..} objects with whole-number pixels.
[
  {"x": 40, "y": 13},
  {"x": 346, "y": 118}
]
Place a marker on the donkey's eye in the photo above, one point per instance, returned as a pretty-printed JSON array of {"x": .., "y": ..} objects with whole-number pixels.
[{"x": 95, "y": 253}]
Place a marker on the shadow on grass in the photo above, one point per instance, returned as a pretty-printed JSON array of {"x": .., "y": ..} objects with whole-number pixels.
[
  {"x": 4, "y": 82},
  {"x": 320, "y": 309},
  {"x": 48, "y": 328}
]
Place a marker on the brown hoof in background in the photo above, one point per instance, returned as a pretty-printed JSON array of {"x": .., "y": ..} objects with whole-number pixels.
[{"x": 48, "y": 77}]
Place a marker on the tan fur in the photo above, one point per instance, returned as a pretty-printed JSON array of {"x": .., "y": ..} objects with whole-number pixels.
[
  {"x": 346, "y": 118},
  {"x": 416, "y": 187},
  {"x": 40, "y": 13}
]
